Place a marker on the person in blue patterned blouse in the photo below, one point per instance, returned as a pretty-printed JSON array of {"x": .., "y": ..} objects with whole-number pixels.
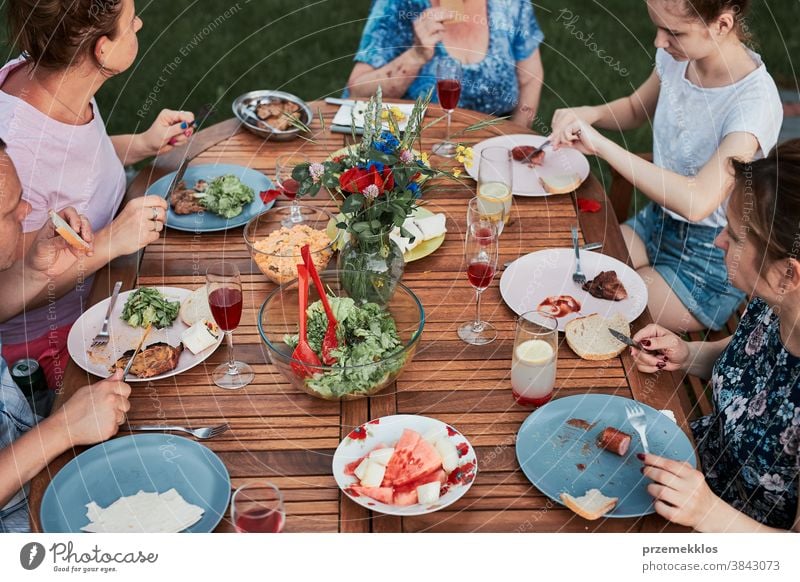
[
  {"x": 496, "y": 41},
  {"x": 93, "y": 413},
  {"x": 749, "y": 447}
]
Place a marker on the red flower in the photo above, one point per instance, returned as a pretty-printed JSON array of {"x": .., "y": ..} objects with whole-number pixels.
[
  {"x": 355, "y": 180},
  {"x": 358, "y": 433},
  {"x": 588, "y": 205}
]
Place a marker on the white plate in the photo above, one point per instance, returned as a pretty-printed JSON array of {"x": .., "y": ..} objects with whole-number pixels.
[
  {"x": 388, "y": 430},
  {"x": 98, "y": 360},
  {"x": 526, "y": 179},
  {"x": 348, "y": 113},
  {"x": 535, "y": 276}
]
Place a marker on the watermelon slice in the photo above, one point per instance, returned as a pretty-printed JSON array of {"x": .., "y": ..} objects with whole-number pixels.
[
  {"x": 413, "y": 457},
  {"x": 381, "y": 494}
]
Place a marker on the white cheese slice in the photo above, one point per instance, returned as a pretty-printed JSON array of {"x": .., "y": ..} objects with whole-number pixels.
[
  {"x": 200, "y": 336},
  {"x": 374, "y": 475},
  {"x": 381, "y": 456},
  {"x": 431, "y": 226},
  {"x": 144, "y": 512},
  {"x": 429, "y": 493}
]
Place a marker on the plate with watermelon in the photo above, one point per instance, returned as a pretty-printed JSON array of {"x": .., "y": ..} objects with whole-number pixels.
[{"x": 405, "y": 465}]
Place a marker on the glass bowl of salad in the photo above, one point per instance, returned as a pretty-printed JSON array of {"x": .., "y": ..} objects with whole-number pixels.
[
  {"x": 376, "y": 343},
  {"x": 275, "y": 248}
]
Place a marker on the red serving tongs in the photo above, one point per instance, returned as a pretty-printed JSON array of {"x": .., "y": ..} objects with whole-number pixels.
[
  {"x": 330, "y": 341},
  {"x": 303, "y": 351}
]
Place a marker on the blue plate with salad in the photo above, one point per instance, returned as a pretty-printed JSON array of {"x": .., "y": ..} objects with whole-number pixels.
[{"x": 215, "y": 197}]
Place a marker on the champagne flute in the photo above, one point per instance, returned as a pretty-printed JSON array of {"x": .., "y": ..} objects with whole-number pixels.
[
  {"x": 448, "y": 88},
  {"x": 258, "y": 508},
  {"x": 289, "y": 186},
  {"x": 478, "y": 210},
  {"x": 224, "y": 286},
  {"x": 481, "y": 250},
  {"x": 495, "y": 182}
]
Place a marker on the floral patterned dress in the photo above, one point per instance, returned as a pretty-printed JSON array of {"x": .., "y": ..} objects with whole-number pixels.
[
  {"x": 750, "y": 446},
  {"x": 491, "y": 85}
]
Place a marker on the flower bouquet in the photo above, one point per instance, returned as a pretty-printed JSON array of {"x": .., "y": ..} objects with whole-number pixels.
[{"x": 377, "y": 184}]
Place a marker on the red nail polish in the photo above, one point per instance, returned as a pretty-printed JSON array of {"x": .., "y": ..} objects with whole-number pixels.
[
  {"x": 641, "y": 470},
  {"x": 661, "y": 365},
  {"x": 645, "y": 343},
  {"x": 666, "y": 359},
  {"x": 640, "y": 456}
]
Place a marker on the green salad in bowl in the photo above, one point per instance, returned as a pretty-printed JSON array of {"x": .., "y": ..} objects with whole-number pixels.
[{"x": 375, "y": 343}]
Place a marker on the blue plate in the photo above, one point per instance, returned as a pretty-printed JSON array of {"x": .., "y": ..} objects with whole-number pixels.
[
  {"x": 208, "y": 221},
  {"x": 127, "y": 465},
  {"x": 549, "y": 451}
]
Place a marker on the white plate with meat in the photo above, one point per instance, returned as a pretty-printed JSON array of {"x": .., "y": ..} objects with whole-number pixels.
[
  {"x": 526, "y": 172},
  {"x": 405, "y": 465},
  {"x": 561, "y": 449},
  {"x": 166, "y": 349},
  {"x": 543, "y": 280}
]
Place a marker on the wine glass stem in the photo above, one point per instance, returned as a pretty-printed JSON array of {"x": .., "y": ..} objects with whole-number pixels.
[
  {"x": 478, "y": 324},
  {"x": 295, "y": 215},
  {"x": 447, "y": 135},
  {"x": 231, "y": 360}
]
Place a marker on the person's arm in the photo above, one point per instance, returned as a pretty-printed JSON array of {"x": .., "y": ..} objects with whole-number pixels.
[
  {"x": 693, "y": 197},
  {"x": 621, "y": 114},
  {"x": 683, "y": 496},
  {"x": 671, "y": 352},
  {"x": 132, "y": 230},
  {"x": 395, "y": 77},
  {"x": 49, "y": 256},
  {"x": 530, "y": 73},
  {"x": 170, "y": 129},
  {"x": 92, "y": 415}
]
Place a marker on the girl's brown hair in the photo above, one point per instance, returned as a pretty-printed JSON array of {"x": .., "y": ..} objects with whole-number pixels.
[
  {"x": 767, "y": 196},
  {"x": 58, "y": 33},
  {"x": 709, "y": 10}
]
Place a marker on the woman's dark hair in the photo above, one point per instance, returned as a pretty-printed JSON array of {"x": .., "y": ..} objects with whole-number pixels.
[
  {"x": 58, "y": 33},
  {"x": 709, "y": 10},
  {"x": 767, "y": 193}
]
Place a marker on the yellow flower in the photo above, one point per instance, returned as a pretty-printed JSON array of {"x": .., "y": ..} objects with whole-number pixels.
[
  {"x": 425, "y": 158},
  {"x": 457, "y": 172},
  {"x": 461, "y": 159}
]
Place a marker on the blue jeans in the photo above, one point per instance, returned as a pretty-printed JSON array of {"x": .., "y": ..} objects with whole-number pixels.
[{"x": 684, "y": 254}]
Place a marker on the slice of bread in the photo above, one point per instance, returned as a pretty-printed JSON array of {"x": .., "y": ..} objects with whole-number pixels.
[
  {"x": 589, "y": 338},
  {"x": 195, "y": 307},
  {"x": 593, "y": 505},
  {"x": 561, "y": 184}
]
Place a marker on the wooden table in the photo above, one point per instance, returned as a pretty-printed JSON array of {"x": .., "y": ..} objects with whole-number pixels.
[{"x": 288, "y": 437}]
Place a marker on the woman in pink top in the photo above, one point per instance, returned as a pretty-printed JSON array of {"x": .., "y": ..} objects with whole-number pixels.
[{"x": 64, "y": 157}]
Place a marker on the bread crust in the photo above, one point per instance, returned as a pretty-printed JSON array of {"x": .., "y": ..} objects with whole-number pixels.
[
  {"x": 570, "y": 329},
  {"x": 573, "y": 504}
]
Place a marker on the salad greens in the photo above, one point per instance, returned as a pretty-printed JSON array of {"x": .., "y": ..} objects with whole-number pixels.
[
  {"x": 147, "y": 306},
  {"x": 367, "y": 339},
  {"x": 227, "y": 196}
]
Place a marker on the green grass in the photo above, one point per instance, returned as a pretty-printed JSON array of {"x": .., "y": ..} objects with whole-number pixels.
[{"x": 306, "y": 48}]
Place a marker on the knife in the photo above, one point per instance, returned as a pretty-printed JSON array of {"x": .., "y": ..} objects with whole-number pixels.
[
  {"x": 178, "y": 177},
  {"x": 337, "y": 101},
  {"x": 136, "y": 352},
  {"x": 629, "y": 342}
]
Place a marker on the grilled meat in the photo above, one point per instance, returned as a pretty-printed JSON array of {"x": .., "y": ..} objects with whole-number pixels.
[
  {"x": 183, "y": 200},
  {"x": 277, "y": 114},
  {"x": 606, "y": 285},
  {"x": 529, "y": 155},
  {"x": 156, "y": 359}
]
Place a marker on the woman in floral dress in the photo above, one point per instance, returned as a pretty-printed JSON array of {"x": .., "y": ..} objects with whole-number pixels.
[{"x": 749, "y": 447}]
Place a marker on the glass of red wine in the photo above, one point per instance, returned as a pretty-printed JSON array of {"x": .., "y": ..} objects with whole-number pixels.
[
  {"x": 224, "y": 286},
  {"x": 448, "y": 88},
  {"x": 481, "y": 250},
  {"x": 288, "y": 186},
  {"x": 258, "y": 508}
]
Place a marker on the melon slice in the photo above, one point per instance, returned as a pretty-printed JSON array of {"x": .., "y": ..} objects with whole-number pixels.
[
  {"x": 361, "y": 470},
  {"x": 373, "y": 476},
  {"x": 429, "y": 493},
  {"x": 350, "y": 468},
  {"x": 381, "y": 494},
  {"x": 381, "y": 456},
  {"x": 449, "y": 453}
]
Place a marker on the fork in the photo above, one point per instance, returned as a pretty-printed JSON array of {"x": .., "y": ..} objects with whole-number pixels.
[
  {"x": 577, "y": 276},
  {"x": 207, "y": 432},
  {"x": 639, "y": 424},
  {"x": 102, "y": 336}
]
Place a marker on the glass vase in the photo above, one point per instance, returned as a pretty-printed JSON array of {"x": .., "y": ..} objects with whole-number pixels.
[{"x": 374, "y": 265}]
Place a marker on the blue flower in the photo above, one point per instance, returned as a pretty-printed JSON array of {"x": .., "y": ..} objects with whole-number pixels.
[
  {"x": 387, "y": 143},
  {"x": 414, "y": 188}
]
